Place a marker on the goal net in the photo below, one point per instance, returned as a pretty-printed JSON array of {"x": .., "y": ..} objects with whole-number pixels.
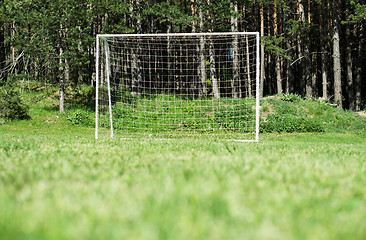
[{"x": 178, "y": 86}]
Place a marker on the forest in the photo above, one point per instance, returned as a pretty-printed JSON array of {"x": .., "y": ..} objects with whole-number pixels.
[{"x": 314, "y": 48}]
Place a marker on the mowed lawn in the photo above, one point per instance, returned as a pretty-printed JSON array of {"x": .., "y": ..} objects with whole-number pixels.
[{"x": 62, "y": 184}]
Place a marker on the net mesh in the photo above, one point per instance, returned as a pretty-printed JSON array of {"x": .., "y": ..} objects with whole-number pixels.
[{"x": 169, "y": 86}]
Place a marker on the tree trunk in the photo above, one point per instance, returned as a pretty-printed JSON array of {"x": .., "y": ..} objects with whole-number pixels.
[
  {"x": 213, "y": 76},
  {"x": 360, "y": 63},
  {"x": 62, "y": 76},
  {"x": 312, "y": 67},
  {"x": 262, "y": 71},
  {"x": 289, "y": 70},
  {"x": 196, "y": 64},
  {"x": 249, "y": 79},
  {"x": 314, "y": 72},
  {"x": 306, "y": 62},
  {"x": 67, "y": 71},
  {"x": 135, "y": 71},
  {"x": 12, "y": 47},
  {"x": 337, "y": 57},
  {"x": 213, "y": 70},
  {"x": 324, "y": 21},
  {"x": 301, "y": 55},
  {"x": 2, "y": 50},
  {"x": 202, "y": 67},
  {"x": 193, "y": 12},
  {"x": 234, "y": 28},
  {"x": 170, "y": 75},
  {"x": 278, "y": 60},
  {"x": 248, "y": 83},
  {"x": 136, "y": 63},
  {"x": 350, "y": 87},
  {"x": 324, "y": 76}
]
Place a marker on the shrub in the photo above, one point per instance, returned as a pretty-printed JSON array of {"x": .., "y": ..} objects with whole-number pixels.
[
  {"x": 290, "y": 97},
  {"x": 291, "y": 123},
  {"x": 12, "y": 105},
  {"x": 80, "y": 117},
  {"x": 81, "y": 95}
]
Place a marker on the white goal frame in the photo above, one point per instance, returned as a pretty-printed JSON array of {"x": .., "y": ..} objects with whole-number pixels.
[{"x": 103, "y": 38}]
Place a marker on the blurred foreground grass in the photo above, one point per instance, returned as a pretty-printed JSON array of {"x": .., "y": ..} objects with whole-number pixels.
[{"x": 59, "y": 183}]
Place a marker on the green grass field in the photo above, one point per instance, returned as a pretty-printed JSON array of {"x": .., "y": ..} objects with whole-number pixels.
[
  {"x": 62, "y": 184},
  {"x": 57, "y": 182}
]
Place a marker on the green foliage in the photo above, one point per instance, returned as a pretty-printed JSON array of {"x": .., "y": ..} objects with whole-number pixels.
[
  {"x": 294, "y": 26},
  {"x": 221, "y": 12},
  {"x": 50, "y": 35},
  {"x": 80, "y": 117},
  {"x": 272, "y": 45},
  {"x": 12, "y": 105},
  {"x": 359, "y": 12},
  {"x": 81, "y": 95},
  {"x": 290, "y": 123},
  {"x": 49, "y": 30},
  {"x": 290, "y": 113},
  {"x": 170, "y": 12},
  {"x": 291, "y": 97}
]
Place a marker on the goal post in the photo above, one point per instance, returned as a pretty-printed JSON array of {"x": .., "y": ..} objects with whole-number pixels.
[{"x": 182, "y": 85}]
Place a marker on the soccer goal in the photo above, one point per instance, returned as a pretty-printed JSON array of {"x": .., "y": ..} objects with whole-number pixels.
[{"x": 178, "y": 86}]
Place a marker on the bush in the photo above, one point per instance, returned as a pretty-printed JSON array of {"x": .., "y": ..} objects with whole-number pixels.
[
  {"x": 81, "y": 95},
  {"x": 290, "y": 97},
  {"x": 81, "y": 117},
  {"x": 12, "y": 105},
  {"x": 290, "y": 123}
]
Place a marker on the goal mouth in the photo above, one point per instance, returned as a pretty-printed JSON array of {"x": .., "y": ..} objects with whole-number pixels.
[{"x": 172, "y": 86}]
